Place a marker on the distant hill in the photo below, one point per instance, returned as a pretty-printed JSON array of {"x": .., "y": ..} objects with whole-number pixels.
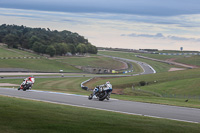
[{"x": 45, "y": 41}]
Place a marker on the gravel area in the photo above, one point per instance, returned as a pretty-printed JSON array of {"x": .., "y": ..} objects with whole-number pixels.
[{"x": 176, "y": 69}]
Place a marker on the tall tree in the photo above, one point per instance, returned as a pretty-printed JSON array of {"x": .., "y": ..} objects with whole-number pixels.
[{"x": 51, "y": 50}]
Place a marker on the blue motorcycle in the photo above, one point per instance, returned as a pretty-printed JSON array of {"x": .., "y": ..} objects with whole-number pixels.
[{"x": 101, "y": 93}]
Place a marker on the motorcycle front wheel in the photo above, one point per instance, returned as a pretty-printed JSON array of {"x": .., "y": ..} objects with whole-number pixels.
[{"x": 90, "y": 97}]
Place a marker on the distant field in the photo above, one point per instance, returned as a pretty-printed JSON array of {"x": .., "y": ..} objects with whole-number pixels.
[
  {"x": 94, "y": 61},
  {"x": 161, "y": 57},
  {"x": 193, "y": 60},
  {"x": 189, "y": 59},
  {"x": 158, "y": 66},
  {"x": 5, "y": 52},
  {"x": 176, "y": 51},
  {"x": 21, "y": 116},
  {"x": 43, "y": 65}
]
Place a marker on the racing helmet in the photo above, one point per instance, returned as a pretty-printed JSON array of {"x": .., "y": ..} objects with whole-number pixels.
[{"x": 107, "y": 82}]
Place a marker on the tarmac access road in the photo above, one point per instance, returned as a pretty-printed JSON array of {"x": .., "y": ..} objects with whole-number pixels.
[{"x": 128, "y": 107}]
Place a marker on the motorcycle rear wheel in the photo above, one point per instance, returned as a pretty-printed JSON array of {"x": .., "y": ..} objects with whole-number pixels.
[{"x": 103, "y": 95}]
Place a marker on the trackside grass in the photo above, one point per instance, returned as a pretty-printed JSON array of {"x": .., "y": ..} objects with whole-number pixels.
[
  {"x": 22, "y": 116},
  {"x": 192, "y": 103},
  {"x": 68, "y": 85},
  {"x": 178, "y": 85}
]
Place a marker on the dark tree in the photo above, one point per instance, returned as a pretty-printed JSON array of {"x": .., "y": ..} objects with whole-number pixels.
[
  {"x": 51, "y": 50},
  {"x": 41, "y": 39}
]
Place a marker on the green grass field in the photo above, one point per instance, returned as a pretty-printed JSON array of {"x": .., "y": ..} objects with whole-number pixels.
[
  {"x": 22, "y": 116},
  {"x": 189, "y": 59},
  {"x": 193, "y": 60},
  {"x": 94, "y": 61},
  {"x": 11, "y": 52},
  {"x": 43, "y": 65}
]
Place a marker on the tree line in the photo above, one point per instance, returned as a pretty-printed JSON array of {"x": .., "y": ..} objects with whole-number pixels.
[{"x": 45, "y": 41}]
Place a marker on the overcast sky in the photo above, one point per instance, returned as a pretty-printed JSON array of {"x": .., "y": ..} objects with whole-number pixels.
[{"x": 134, "y": 24}]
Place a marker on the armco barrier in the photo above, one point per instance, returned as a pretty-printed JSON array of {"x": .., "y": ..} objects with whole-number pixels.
[
  {"x": 20, "y": 57},
  {"x": 179, "y": 53},
  {"x": 85, "y": 87}
]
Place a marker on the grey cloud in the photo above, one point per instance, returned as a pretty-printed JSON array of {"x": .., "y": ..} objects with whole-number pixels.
[
  {"x": 160, "y": 35},
  {"x": 137, "y": 7}
]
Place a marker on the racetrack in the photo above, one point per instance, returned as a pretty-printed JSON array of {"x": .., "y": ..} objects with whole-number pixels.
[{"x": 128, "y": 107}]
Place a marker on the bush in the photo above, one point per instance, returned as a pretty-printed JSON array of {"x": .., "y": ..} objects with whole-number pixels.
[{"x": 142, "y": 83}]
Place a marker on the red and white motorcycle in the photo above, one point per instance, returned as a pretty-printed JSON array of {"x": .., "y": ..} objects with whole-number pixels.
[{"x": 27, "y": 84}]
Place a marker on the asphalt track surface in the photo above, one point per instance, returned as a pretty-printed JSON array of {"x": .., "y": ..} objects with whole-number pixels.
[{"x": 135, "y": 108}]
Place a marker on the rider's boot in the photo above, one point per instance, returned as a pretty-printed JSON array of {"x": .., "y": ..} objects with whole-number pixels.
[{"x": 108, "y": 97}]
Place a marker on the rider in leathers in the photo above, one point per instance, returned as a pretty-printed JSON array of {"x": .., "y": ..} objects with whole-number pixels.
[{"x": 106, "y": 86}]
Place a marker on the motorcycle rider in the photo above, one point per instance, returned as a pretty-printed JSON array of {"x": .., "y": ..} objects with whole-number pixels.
[
  {"x": 107, "y": 86},
  {"x": 27, "y": 81}
]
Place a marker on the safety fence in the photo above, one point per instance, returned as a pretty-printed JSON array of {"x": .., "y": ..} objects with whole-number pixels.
[
  {"x": 85, "y": 87},
  {"x": 179, "y": 53},
  {"x": 20, "y": 57},
  {"x": 128, "y": 71}
]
